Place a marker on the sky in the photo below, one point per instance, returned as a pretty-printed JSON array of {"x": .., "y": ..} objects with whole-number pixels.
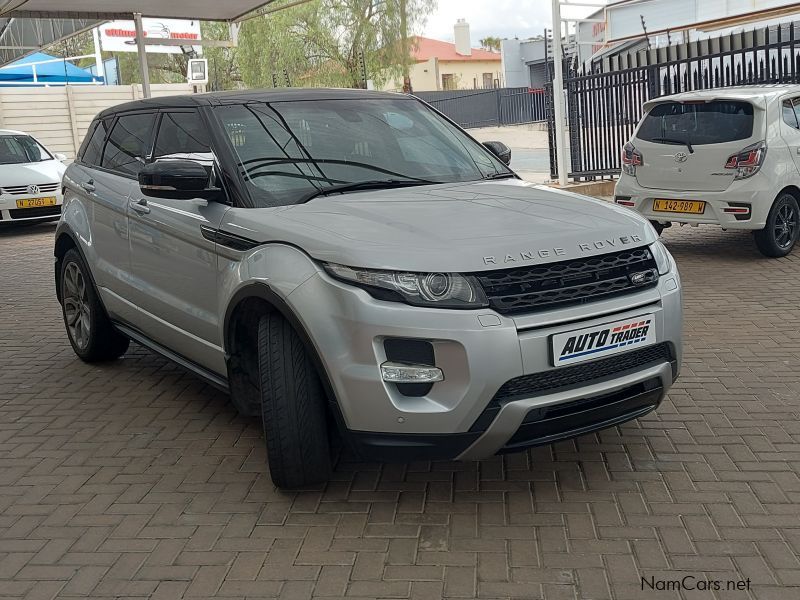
[{"x": 501, "y": 18}]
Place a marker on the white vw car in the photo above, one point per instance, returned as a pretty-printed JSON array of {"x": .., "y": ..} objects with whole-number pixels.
[
  {"x": 30, "y": 179},
  {"x": 728, "y": 157}
]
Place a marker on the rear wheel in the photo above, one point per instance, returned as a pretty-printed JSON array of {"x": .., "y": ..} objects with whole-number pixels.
[
  {"x": 292, "y": 407},
  {"x": 90, "y": 332},
  {"x": 783, "y": 228}
]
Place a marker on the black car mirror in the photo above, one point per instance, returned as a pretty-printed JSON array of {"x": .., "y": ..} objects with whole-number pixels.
[
  {"x": 178, "y": 180},
  {"x": 500, "y": 150}
]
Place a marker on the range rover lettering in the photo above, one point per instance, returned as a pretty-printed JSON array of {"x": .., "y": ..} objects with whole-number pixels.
[{"x": 355, "y": 269}]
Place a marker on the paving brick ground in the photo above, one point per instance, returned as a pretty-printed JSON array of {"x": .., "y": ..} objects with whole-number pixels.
[{"x": 135, "y": 479}]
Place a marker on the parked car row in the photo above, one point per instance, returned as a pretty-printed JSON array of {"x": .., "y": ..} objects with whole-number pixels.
[{"x": 353, "y": 266}]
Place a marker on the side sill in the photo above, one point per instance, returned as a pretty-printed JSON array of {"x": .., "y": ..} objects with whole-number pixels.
[{"x": 217, "y": 381}]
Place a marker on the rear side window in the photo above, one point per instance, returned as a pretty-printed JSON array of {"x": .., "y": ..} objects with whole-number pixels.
[
  {"x": 128, "y": 145},
  {"x": 716, "y": 122},
  {"x": 93, "y": 149},
  {"x": 182, "y": 135}
]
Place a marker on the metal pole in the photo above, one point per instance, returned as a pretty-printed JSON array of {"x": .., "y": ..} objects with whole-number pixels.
[
  {"x": 558, "y": 95},
  {"x": 142, "y": 50},
  {"x": 98, "y": 57}
]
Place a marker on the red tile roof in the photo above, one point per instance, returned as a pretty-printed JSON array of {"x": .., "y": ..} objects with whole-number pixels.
[{"x": 426, "y": 48}]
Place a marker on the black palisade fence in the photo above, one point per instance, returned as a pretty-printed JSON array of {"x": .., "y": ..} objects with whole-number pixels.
[{"x": 605, "y": 105}]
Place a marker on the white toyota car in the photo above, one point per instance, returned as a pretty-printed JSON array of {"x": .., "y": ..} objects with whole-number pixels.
[
  {"x": 30, "y": 179},
  {"x": 728, "y": 157}
]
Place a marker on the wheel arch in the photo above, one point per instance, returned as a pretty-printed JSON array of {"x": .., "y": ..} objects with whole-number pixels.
[
  {"x": 789, "y": 189},
  {"x": 246, "y": 306},
  {"x": 65, "y": 242}
]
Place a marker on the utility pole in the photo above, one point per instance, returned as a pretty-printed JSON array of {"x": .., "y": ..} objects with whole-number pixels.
[
  {"x": 98, "y": 56},
  {"x": 405, "y": 49},
  {"x": 558, "y": 95},
  {"x": 142, "y": 50}
]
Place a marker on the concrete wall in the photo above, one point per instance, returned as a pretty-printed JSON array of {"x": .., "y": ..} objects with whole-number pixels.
[{"x": 60, "y": 116}]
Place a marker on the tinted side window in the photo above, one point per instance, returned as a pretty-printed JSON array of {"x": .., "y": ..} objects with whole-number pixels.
[
  {"x": 182, "y": 135},
  {"x": 789, "y": 115},
  {"x": 128, "y": 144},
  {"x": 93, "y": 147},
  {"x": 796, "y": 103}
]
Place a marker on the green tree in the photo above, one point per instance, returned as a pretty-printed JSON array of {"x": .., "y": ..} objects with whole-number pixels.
[
  {"x": 491, "y": 43},
  {"x": 322, "y": 42}
]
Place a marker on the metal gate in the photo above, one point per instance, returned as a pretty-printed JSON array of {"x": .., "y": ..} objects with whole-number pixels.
[
  {"x": 487, "y": 108},
  {"x": 604, "y": 107}
]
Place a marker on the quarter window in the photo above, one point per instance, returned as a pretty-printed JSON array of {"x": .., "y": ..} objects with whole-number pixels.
[
  {"x": 128, "y": 145},
  {"x": 789, "y": 114},
  {"x": 93, "y": 150}
]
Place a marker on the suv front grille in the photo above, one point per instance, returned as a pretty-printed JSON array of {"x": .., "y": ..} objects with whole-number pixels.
[
  {"x": 22, "y": 190},
  {"x": 536, "y": 288}
]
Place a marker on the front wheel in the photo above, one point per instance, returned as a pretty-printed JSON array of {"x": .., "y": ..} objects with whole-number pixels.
[
  {"x": 90, "y": 332},
  {"x": 292, "y": 407},
  {"x": 780, "y": 235}
]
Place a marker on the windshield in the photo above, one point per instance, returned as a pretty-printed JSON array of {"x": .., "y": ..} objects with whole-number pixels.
[
  {"x": 288, "y": 151},
  {"x": 19, "y": 149},
  {"x": 698, "y": 123}
]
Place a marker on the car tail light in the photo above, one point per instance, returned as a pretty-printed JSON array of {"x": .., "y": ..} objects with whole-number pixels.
[
  {"x": 748, "y": 161},
  {"x": 631, "y": 158}
]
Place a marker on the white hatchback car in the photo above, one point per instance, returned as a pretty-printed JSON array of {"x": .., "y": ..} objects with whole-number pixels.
[
  {"x": 728, "y": 157},
  {"x": 30, "y": 179}
]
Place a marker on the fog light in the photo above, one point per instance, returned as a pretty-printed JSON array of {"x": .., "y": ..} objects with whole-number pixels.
[{"x": 402, "y": 373}]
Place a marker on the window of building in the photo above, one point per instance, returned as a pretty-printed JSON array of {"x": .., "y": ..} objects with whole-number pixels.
[{"x": 448, "y": 81}]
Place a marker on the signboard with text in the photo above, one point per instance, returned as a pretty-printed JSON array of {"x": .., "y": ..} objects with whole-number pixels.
[{"x": 120, "y": 36}]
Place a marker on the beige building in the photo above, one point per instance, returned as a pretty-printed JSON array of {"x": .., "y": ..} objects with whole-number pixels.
[{"x": 442, "y": 65}]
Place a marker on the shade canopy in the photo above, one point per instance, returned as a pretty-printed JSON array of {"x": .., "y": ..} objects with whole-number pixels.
[
  {"x": 60, "y": 72},
  {"x": 30, "y": 25},
  {"x": 105, "y": 10}
]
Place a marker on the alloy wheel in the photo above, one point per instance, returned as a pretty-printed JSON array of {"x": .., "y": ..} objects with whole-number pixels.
[
  {"x": 785, "y": 226},
  {"x": 76, "y": 306}
]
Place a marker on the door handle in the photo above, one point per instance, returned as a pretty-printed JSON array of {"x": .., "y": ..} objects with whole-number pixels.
[
  {"x": 140, "y": 206},
  {"x": 88, "y": 186}
]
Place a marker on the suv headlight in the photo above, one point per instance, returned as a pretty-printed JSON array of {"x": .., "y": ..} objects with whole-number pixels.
[
  {"x": 662, "y": 257},
  {"x": 439, "y": 290}
]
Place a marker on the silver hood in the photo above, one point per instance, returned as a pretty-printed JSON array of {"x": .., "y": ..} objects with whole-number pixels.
[{"x": 461, "y": 227}]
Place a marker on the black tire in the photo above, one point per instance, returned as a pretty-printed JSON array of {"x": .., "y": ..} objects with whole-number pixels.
[
  {"x": 659, "y": 227},
  {"x": 292, "y": 407},
  {"x": 783, "y": 228},
  {"x": 90, "y": 332}
]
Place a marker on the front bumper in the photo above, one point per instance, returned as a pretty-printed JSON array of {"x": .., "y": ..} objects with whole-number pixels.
[
  {"x": 478, "y": 351},
  {"x": 757, "y": 192}
]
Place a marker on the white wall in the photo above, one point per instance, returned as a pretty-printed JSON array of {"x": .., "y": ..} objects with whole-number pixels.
[{"x": 60, "y": 116}]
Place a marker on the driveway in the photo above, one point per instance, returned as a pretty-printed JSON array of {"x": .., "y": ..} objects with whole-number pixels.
[{"x": 136, "y": 479}]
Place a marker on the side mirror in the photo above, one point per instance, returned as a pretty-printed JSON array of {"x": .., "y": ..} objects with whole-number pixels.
[
  {"x": 500, "y": 150},
  {"x": 60, "y": 157},
  {"x": 177, "y": 180}
]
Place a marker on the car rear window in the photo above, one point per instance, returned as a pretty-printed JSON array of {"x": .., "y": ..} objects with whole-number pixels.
[{"x": 699, "y": 123}]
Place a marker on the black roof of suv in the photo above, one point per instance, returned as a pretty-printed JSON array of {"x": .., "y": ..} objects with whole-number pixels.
[{"x": 244, "y": 96}]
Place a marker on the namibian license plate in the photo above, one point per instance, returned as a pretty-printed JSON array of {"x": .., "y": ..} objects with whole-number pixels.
[
  {"x": 604, "y": 340},
  {"x": 692, "y": 207},
  {"x": 36, "y": 202}
]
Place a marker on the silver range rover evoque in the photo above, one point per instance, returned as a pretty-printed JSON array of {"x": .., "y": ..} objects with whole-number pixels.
[{"x": 357, "y": 270}]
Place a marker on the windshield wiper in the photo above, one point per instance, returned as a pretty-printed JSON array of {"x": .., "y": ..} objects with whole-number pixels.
[
  {"x": 501, "y": 176},
  {"x": 667, "y": 140},
  {"x": 374, "y": 184}
]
